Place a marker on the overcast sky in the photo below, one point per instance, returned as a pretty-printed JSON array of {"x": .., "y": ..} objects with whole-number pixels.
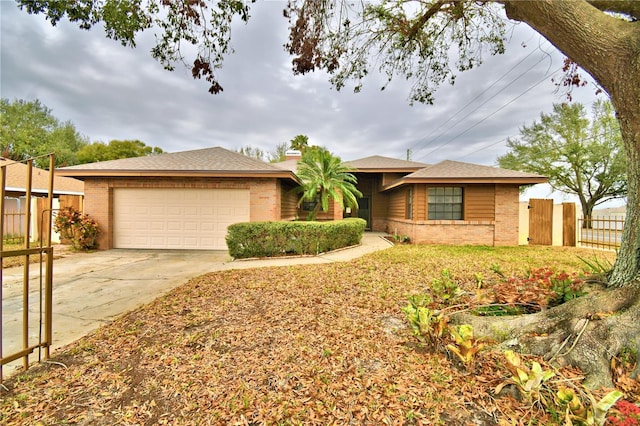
[{"x": 112, "y": 92}]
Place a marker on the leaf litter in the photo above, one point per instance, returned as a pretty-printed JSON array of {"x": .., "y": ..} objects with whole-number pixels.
[{"x": 313, "y": 345}]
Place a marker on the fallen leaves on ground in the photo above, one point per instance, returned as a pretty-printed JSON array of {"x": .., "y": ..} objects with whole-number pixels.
[
  {"x": 59, "y": 251},
  {"x": 313, "y": 345}
]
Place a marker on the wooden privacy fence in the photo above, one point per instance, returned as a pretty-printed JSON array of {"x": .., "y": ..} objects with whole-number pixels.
[
  {"x": 601, "y": 232},
  {"x": 540, "y": 222},
  {"x": 549, "y": 223},
  {"x": 546, "y": 223}
]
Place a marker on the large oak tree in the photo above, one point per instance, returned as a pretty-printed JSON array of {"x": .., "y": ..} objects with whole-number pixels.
[
  {"x": 414, "y": 39},
  {"x": 580, "y": 156}
]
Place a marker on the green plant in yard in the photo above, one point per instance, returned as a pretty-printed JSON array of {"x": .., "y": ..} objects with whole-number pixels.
[
  {"x": 323, "y": 177},
  {"x": 400, "y": 238},
  {"x": 10, "y": 239},
  {"x": 267, "y": 239},
  {"x": 426, "y": 325},
  {"x": 498, "y": 310},
  {"x": 466, "y": 346},
  {"x": 591, "y": 413},
  {"x": 528, "y": 380},
  {"x": 566, "y": 287},
  {"x": 497, "y": 269},
  {"x": 78, "y": 228},
  {"x": 479, "y": 278},
  {"x": 563, "y": 285},
  {"x": 445, "y": 288},
  {"x": 597, "y": 266}
]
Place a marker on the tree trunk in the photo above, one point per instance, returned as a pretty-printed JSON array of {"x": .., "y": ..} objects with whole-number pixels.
[
  {"x": 626, "y": 270},
  {"x": 587, "y": 213},
  {"x": 608, "y": 48},
  {"x": 586, "y": 332}
]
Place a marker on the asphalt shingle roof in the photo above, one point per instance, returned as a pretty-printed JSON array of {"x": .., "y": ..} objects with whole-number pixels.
[
  {"x": 16, "y": 180},
  {"x": 456, "y": 169},
  {"x": 379, "y": 162},
  {"x": 291, "y": 165},
  {"x": 207, "y": 159},
  {"x": 219, "y": 160}
]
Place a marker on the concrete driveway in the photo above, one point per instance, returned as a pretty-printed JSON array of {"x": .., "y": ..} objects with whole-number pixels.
[{"x": 91, "y": 289}]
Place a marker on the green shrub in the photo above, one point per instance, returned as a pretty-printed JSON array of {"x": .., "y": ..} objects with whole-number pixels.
[
  {"x": 81, "y": 230},
  {"x": 268, "y": 239}
]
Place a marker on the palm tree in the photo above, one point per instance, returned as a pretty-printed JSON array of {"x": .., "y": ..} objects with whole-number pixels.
[{"x": 323, "y": 177}]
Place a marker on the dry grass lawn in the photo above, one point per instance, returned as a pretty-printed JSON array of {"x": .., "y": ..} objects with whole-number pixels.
[{"x": 312, "y": 345}]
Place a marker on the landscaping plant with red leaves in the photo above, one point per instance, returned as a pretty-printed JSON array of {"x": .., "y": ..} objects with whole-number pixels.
[{"x": 315, "y": 345}]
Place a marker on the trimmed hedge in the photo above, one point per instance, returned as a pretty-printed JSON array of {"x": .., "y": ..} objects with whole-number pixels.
[{"x": 268, "y": 239}]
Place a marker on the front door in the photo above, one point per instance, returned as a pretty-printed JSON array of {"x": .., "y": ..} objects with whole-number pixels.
[{"x": 364, "y": 211}]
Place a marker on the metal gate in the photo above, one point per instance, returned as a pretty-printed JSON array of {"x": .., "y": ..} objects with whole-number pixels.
[
  {"x": 540, "y": 222},
  {"x": 20, "y": 303}
]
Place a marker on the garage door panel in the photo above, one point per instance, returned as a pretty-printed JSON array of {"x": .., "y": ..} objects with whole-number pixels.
[
  {"x": 177, "y": 218},
  {"x": 157, "y": 226},
  {"x": 174, "y": 226},
  {"x": 155, "y": 240},
  {"x": 191, "y": 226},
  {"x": 208, "y": 226},
  {"x": 174, "y": 210}
]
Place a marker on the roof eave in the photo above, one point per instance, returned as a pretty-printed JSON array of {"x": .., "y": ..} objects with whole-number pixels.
[
  {"x": 466, "y": 180},
  {"x": 82, "y": 174},
  {"x": 21, "y": 190}
]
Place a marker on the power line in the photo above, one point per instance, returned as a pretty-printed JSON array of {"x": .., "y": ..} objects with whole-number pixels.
[
  {"x": 476, "y": 97},
  {"x": 482, "y": 148},
  {"x": 486, "y": 101},
  {"x": 492, "y": 114},
  {"x": 479, "y": 95},
  {"x": 590, "y": 138}
]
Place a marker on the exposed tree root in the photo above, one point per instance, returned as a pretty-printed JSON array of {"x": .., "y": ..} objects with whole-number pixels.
[{"x": 586, "y": 332}]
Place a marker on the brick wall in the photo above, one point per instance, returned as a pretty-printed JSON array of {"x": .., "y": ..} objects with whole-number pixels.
[
  {"x": 502, "y": 231},
  {"x": 507, "y": 215},
  {"x": 265, "y": 197},
  {"x": 455, "y": 232},
  {"x": 97, "y": 205}
]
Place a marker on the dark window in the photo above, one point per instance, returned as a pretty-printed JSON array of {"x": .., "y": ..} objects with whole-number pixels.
[
  {"x": 309, "y": 205},
  {"x": 409, "y": 214},
  {"x": 445, "y": 203}
]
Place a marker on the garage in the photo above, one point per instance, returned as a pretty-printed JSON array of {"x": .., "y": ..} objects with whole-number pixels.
[{"x": 176, "y": 218}]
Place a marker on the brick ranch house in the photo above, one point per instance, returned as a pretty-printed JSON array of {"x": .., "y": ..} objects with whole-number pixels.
[{"x": 186, "y": 200}]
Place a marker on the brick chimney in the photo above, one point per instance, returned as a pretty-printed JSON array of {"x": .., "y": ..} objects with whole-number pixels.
[{"x": 292, "y": 154}]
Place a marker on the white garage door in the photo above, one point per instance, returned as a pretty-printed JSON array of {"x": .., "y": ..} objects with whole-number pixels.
[{"x": 176, "y": 218}]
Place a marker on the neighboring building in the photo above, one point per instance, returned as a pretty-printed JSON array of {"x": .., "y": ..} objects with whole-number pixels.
[
  {"x": 187, "y": 199},
  {"x": 65, "y": 190}
]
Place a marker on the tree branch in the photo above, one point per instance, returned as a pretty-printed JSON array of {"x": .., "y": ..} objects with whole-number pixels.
[
  {"x": 435, "y": 8},
  {"x": 594, "y": 40},
  {"x": 628, "y": 7}
]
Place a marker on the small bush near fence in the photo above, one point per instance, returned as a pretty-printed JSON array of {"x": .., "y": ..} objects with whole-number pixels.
[
  {"x": 77, "y": 228},
  {"x": 268, "y": 239}
]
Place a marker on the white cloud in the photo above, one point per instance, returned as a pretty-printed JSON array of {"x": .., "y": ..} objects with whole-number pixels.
[{"x": 112, "y": 92}]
